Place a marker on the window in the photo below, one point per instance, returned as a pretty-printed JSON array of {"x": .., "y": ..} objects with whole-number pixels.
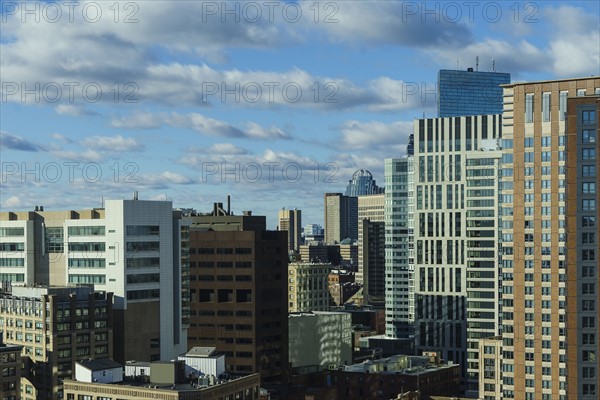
[
  {"x": 546, "y": 107},
  {"x": 589, "y": 154},
  {"x": 588, "y": 117},
  {"x": 588, "y": 204},
  {"x": 588, "y": 136},
  {"x": 86, "y": 230},
  {"x": 588, "y": 171},
  {"x": 529, "y": 107},
  {"x": 562, "y": 104}
]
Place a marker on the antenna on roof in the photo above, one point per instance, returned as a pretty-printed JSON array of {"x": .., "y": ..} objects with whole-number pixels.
[
  {"x": 493, "y": 65},
  {"x": 477, "y": 63}
]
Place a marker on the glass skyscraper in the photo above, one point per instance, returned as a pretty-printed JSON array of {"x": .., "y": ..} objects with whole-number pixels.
[{"x": 470, "y": 92}]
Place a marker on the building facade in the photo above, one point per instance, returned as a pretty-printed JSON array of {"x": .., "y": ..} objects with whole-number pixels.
[
  {"x": 132, "y": 248},
  {"x": 308, "y": 286},
  {"x": 291, "y": 221},
  {"x": 56, "y": 326},
  {"x": 399, "y": 250},
  {"x": 490, "y": 368},
  {"x": 341, "y": 218},
  {"x": 10, "y": 370},
  {"x": 456, "y": 236},
  {"x": 545, "y": 264},
  {"x": 239, "y": 288},
  {"x": 470, "y": 92},
  {"x": 371, "y": 248},
  {"x": 320, "y": 340}
]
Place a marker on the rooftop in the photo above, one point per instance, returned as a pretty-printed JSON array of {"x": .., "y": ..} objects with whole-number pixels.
[
  {"x": 100, "y": 365},
  {"x": 201, "y": 352}
]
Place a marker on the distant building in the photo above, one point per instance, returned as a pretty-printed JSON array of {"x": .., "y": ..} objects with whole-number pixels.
[
  {"x": 362, "y": 184},
  {"x": 10, "y": 364},
  {"x": 313, "y": 233},
  {"x": 308, "y": 289},
  {"x": 56, "y": 326},
  {"x": 341, "y": 218},
  {"x": 470, "y": 92},
  {"x": 239, "y": 286},
  {"x": 291, "y": 222},
  {"x": 319, "y": 340}
]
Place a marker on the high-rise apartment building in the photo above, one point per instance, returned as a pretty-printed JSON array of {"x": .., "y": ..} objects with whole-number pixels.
[
  {"x": 490, "y": 368},
  {"x": 239, "y": 288},
  {"x": 135, "y": 249},
  {"x": 371, "y": 248},
  {"x": 549, "y": 259},
  {"x": 399, "y": 251},
  {"x": 470, "y": 92},
  {"x": 291, "y": 222},
  {"x": 362, "y": 184},
  {"x": 456, "y": 236},
  {"x": 341, "y": 218},
  {"x": 308, "y": 286},
  {"x": 55, "y": 326}
]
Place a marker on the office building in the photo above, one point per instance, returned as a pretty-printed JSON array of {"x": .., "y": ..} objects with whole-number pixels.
[
  {"x": 371, "y": 248},
  {"x": 132, "y": 248},
  {"x": 10, "y": 370},
  {"x": 362, "y": 184},
  {"x": 549, "y": 322},
  {"x": 399, "y": 250},
  {"x": 239, "y": 287},
  {"x": 313, "y": 233},
  {"x": 456, "y": 236},
  {"x": 55, "y": 326},
  {"x": 342, "y": 286},
  {"x": 291, "y": 222},
  {"x": 319, "y": 340},
  {"x": 307, "y": 286},
  {"x": 341, "y": 218},
  {"x": 470, "y": 92}
]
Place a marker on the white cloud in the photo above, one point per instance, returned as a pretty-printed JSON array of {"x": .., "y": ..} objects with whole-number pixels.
[
  {"x": 201, "y": 124},
  {"x": 12, "y": 202},
  {"x": 374, "y": 134},
  {"x": 116, "y": 143},
  {"x": 73, "y": 110}
]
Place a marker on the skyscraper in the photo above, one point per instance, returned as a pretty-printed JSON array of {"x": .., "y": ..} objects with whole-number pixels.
[
  {"x": 469, "y": 92},
  {"x": 399, "y": 250},
  {"x": 341, "y": 218},
  {"x": 291, "y": 222},
  {"x": 549, "y": 259},
  {"x": 456, "y": 236},
  {"x": 362, "y": 184},
  {"x": 133, "y": 248}
]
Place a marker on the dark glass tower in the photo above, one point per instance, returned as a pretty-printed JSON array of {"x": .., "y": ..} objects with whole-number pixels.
[{"x": 470, "y": 92}]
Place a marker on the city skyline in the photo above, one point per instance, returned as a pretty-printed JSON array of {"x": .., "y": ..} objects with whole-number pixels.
[{"x": 163, "y": 127}]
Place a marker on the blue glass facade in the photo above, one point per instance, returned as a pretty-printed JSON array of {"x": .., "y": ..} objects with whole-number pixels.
[
  {"x": 470, "y": 92},
  {"x": 362, "y": 184}
]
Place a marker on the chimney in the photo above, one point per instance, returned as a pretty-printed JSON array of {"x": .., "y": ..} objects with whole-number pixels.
[
  {"x": 36, "y": 208},
  {"x": 135, "y": 194},
  {"x": 228, "y": 205}
]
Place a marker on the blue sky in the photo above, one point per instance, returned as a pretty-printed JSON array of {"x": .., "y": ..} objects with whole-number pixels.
[{"x": 275, "y": 103}]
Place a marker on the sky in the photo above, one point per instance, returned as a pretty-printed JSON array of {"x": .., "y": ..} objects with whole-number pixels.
[{"x": 272, "y": 102}]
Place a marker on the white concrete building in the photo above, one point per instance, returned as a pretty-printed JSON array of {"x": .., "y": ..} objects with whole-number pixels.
[{"x": 136, "y": 249}]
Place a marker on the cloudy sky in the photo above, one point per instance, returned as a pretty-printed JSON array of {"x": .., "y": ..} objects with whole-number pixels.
[{"x": 273, "y": 102}]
